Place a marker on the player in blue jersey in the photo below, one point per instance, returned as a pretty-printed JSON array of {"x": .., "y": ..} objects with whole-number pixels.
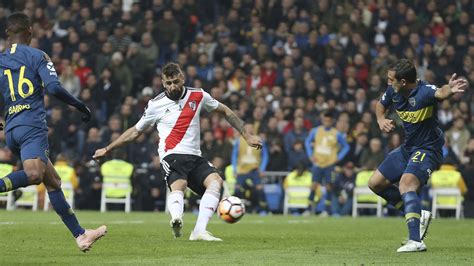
[
  {"x": 410, "y": 165},
  {"x": 25, "y": 74}
]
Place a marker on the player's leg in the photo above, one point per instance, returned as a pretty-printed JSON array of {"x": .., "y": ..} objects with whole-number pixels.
[
  {"x": 389, "y": 172},
  {"x": 205, "y": 180},
  {"x": 209, "y": 202},
  {"x": 33, "y": 167},
  {"x": 175, "y": 168},
  {"x": 328, "y": 180},
  {"x": 257, "y": 182},
  {"x": 420, "y": 166},
  {"x": 84, "y": 237},
  {"x": 316, "y": 183},
  {"x": 409, "y": 184},
  {"x": 32, "y": 174},
  {"x": 239, "y": 188},
  {"x": 175, "y": 204}
]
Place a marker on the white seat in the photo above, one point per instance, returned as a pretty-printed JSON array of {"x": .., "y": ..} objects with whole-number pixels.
[
  {"x": 302, "y": 195},
  {"x": 29, "y": 198},
  {"x": 127, "y": 200},
  {"x": 68, "y": 193},
  {"x": 447, "y": 192},
  {"x": 363, "y": 197},
  {"x": 365, "y": 191},
  {"x": 116, "y": 186},
  {"x": 5, "y": 197}
]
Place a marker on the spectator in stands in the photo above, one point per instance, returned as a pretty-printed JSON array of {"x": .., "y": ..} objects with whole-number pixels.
[
  {"x": 70, "y": 81},
  {"x": 342, "y": 190},
  {"x": 169, "y": 37},
  {"x": 119, "y": 40},
  {"x": 458, "y": 137},
  {"x": 297, "y": 155},
  {"x": 122, "y": 73},
  {"x": 279, "y": 158},
  {"x": 90, "y": 185},
  {"x": 298, "y": 132},
  {"x": 372, "y": 157}
]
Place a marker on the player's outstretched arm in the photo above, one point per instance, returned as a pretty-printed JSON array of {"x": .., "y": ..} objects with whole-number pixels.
[
  {"x": 55, "y": 88},
  {"x": 454, "y": 86},
  {"x": 129, "y": 135},
  {"x": 237, "y": 123},
  {"x": 385, "y": 125}
]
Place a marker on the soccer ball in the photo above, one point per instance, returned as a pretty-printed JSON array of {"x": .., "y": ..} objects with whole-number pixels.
[{"x": 231, "y": 209}]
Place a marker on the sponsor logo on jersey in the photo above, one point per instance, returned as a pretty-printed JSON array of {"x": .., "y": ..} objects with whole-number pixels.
[
  {"x": 52, "y": 71},
  {"x": 416, "y": 116},
  {"x": 429, "y": 171}
]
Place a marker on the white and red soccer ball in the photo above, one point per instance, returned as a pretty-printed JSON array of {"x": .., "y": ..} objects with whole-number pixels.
[{"x": 231, "y": 209}]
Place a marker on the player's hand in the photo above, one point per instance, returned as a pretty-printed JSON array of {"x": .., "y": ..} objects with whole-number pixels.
[
  {"x": 457, "y": 85},
  {"x": 386, "y": 125},
  {"x": 254, "y": 141},
  {"x": 86, "y": 114},
  {"x": 100, "y": 153}
]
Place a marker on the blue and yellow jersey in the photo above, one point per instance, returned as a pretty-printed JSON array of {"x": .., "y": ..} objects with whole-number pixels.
[
  {"x": 246, "y": 159},
  {"x": 24, "y": 73},
  {"x": 418, "y": 112},
  {"x": 326, "y": 144}
]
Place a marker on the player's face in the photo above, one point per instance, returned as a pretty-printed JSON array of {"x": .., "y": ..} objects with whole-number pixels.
[
  {"x": 327, "y": 121},
  {"x": 174, "y": 86},
  {"x": 396, "y": 84}
]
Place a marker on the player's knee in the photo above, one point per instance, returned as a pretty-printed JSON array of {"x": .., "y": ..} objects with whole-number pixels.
[
  {"x": 179, "y": 184},
  {"x": 35, "y": 176},
  {"x": 409, "y": 182},
  {"x": 375, "y": 185},
  {"x": 215, "y": 184}
]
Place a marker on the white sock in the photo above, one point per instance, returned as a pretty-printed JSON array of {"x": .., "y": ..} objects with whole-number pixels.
[
  {"x": 207, "y": 207},
  {"x": 176, "y": 204}
]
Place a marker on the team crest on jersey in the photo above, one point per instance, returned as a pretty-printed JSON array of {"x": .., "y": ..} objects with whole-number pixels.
[
  {"x": 412, "y": 101},
  {"x": 192, "y": 105}
]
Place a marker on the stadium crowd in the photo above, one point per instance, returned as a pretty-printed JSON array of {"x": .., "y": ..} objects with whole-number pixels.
[{"x": 279, "y": 64}]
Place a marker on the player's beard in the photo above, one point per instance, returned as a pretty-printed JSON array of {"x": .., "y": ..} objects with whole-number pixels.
[{"x": 175, "y": 94}]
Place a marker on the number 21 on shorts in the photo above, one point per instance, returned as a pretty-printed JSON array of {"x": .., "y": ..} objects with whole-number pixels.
[{"x": 417, "y": 158}]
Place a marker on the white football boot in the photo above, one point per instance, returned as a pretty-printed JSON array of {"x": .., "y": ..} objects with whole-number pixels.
[
  {"x": 412, "y": 246},
  {"x": 425, "y": 220},
  {"x": 205, "y": 236},
  {"x": 176, "y": 224}
]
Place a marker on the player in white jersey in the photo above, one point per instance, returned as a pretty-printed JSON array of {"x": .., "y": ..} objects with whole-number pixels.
[{"x": 175, "y": 113}]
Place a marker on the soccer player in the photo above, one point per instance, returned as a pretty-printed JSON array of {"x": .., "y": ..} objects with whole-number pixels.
[
  {"x": 325, "y": 146},
  {"x": 26, "y": 73},
  {"x": 412, "y": 163},
  {"x": 175, "y": 112}
]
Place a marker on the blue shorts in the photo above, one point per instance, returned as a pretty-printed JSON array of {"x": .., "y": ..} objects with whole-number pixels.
[
  {"x": 28, "y": 142},
  {"x": 252, "y": 175},
  {"x": 420, "y": 163},
  {"x": 322, "y": 175}
]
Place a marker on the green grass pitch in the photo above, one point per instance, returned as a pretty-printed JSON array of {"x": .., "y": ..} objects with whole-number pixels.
[{"x": 145, "y": 238}]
